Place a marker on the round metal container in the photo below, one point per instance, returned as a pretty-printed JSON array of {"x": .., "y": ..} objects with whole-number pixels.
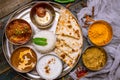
[
  {"x": 18, "y": 34},
  {"x": 94, "y": 58},
  {"x": 24, "y": 13},
  {"x": 23, "y": 59},
  {"x": 50, "y": 9},
  {"x": 96, "y": 36},
  {"x": 47, "y": 65}
]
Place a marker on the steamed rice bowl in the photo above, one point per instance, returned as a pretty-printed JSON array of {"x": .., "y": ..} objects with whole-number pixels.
[{"x": 51, "y": 40}]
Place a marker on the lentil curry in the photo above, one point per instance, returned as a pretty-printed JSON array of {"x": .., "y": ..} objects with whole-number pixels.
[
  {"x": 94, "y": 58},
  {"x": 100, "y": 33}
]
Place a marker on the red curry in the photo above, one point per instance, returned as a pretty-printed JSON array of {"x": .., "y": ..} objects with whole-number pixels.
[{"x": 18, "y": 31}]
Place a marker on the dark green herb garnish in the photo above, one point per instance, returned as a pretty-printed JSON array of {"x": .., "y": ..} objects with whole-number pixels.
[{"x": 19, "y": 30}]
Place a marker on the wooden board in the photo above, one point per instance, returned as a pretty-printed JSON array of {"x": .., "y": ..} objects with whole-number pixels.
[{"x": 8, "y": 6}]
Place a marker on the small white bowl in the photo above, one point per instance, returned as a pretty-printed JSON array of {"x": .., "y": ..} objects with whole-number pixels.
[{"x": 49, "y": 67}]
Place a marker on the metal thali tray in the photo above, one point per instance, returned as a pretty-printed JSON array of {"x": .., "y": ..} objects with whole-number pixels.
[{"x": 24, "y": 13}]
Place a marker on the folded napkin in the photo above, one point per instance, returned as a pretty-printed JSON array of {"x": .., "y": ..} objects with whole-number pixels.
[{"x": 108, "y": 10}]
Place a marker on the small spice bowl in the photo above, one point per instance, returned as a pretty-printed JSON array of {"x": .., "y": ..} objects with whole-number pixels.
[
  {"x": 49, "y": 67},
  {"x": 42, "y": 15},
  {"x": 18, "y": 31},
  {"x": 100, "y": 33},
  {"x": 23, "y": 59},
  {"x": 94, "y": 58}
]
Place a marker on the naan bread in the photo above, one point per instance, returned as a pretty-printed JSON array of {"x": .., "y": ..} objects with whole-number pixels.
[
  {"x": 69, "y": 38},
  {"x": 67, "y": 25},
  {"x": 71, "y": 42},
  {"x": 65, "y": 57},
  {"x": 62, "y": 46}
]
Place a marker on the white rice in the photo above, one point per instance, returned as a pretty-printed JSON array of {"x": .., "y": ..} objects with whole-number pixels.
[{"x": 51, "y": 40}]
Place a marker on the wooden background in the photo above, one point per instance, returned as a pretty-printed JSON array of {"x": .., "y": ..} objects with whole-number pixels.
[{"x": 8, "y": 6}]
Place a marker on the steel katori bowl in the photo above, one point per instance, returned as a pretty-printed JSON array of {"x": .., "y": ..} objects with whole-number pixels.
[
  {"x": 23, "y": 59},
  {"x": 94, "y": 58},
  {"x": 18, "y": 31},
  {"x": 100, "y": 33},
  {"x": 42, "y": 8}
]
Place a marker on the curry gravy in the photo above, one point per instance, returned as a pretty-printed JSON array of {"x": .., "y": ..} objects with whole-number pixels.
[
  {"x": 23, "y": 59},
  {"x": 18, "y": 31},
  {"x": 94, "y": 58}
]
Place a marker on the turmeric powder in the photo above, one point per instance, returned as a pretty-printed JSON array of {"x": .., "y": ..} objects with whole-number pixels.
[{"x": 100, "y": 33}]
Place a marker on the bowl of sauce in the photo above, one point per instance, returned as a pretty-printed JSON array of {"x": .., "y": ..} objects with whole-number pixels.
[
  {"x": 94, "y": 58},
  {"x": 42, "y": 15},
  {"x": 23, "y": 59},
  {"x": 18, "y": 31}
]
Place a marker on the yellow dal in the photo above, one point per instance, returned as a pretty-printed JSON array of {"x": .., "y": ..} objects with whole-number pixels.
[
  {"x": 94, "y": 58},
  {"x": 100, "y": 33}
]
